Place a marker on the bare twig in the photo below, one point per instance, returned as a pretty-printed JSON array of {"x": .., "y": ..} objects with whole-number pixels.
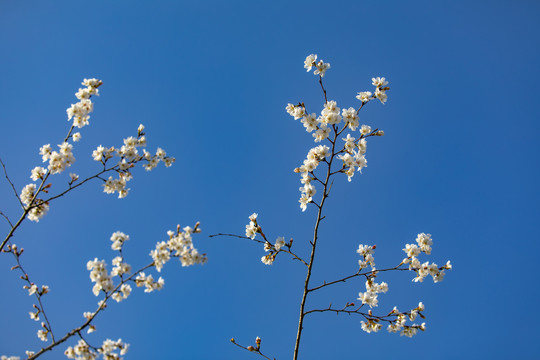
[
  {"x": 7, "y": 219},
  {"x": 252, "y": 349},
  {"x": 81, "y": 183},
  {"x": 11, "y": 183},
  {"x": 358, "y": 273},
  {"x": 324, "y": 91}
]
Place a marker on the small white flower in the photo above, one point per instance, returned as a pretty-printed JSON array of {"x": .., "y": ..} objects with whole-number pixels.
[
  {"x": 34, "y": 315},
  {"x": 267, "y": 259},
  {"x": 310, "y": 61},
  {"x": 321, "y": 68},
  {"x": 364, "y": 96},
  {"x": 38, "y": 173},
  {"x": 42, "y": 335},
  {"x": 280, "y": 242},
  {"x": 32, "y": 289},
  {"x": 379, "y": 81}
]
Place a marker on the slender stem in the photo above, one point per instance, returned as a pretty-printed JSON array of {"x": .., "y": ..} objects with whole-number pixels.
[
  {"x": 367, "y": 316},
  {"x": 11, "y": 183},
  {"x": 313, "y": 247},
  {"x": 81, "y": 183},
  {"x": 7, "y": 219},
  {"x": 324, "y": 91},
  {"x": 358, "y": 273}
]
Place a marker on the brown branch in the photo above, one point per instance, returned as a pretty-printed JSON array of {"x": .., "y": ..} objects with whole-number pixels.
[
  {"x": 80, "y": 183},
  {"x": 367, "y": 316},
  {"x": 358, "y": 273},
  {"x": 313, "y": 247}
]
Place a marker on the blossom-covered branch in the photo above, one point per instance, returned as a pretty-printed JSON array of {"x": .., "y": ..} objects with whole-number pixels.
[
  {"x": 179, "y": 245},
  {"x": 344, "y": 153},
  {"x": 116, "y": 284},
  {"x": 127, "y": 155}
]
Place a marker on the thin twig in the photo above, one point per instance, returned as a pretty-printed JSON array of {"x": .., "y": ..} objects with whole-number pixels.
[
  {"x": 252, "y": 350},
  {"x": 6, "y": 217},
  {"x": 11, "y": 183},
  {"x": 80, "y": 183},
  {"x": 324, "y": 91},
  {"x": 358, "y": 273}
]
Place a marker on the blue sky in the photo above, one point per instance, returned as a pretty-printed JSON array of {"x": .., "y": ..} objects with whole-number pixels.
[{"x": 210, "y": 81}]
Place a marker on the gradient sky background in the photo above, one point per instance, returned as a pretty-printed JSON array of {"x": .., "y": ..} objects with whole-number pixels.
[{"x": 210, "y": 80}]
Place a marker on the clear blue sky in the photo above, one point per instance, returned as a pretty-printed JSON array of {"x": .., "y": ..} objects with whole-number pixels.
[{"x": 210, "y": 80}]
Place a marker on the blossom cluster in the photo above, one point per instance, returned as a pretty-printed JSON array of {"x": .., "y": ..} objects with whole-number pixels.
[
  {"x": 367, "y": 252},
  {"x": 110, "y": 350},
  {"x": 129, "y": 155},
  {"x": 80, "y": 111},
  {"x": 353, "y": 152},
  {"x": 320, "y": 66},
  {"x": 273, "y": 250},
  {"x": 58, "y": 160},
  {"x": 397, "y": 322},
  {"x": 370, "y": 296},
  {"x": 37, "y": 208},
  {"x": 252, "y": 228},
  {"x": 423, "y": 244},
  {"x": 314, "y": 157},
  {"x": 179, "y": 245},
  {"x": 380, "y": 91},
  {"x": 353, "y": 158},
  {"x": 99, "y": 276},
  {"x": 372, "y": 289}
]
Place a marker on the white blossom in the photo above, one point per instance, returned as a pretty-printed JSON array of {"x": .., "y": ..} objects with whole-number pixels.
[
  {"x": 38, "y": 173},
  {"x": 321, "y": 68},
  {"x": 364, "y": 96},
  {"x": 310, "y": 61}
]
